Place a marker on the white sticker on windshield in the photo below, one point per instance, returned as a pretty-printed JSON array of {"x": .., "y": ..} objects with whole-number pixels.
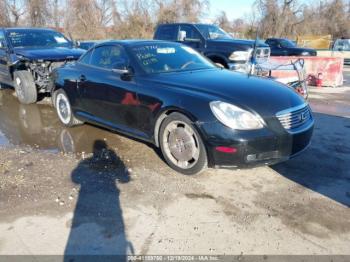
[
  {"x": 166, "y": 50},
  {"x": 60, "y": 39}
]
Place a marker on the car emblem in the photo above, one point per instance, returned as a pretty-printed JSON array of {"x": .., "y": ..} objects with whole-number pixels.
[{"x": 303, "y": 116}]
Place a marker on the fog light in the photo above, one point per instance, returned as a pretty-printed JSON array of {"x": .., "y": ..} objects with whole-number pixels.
[
  {"x": 251, "y": 157},
  {"x": 228, "y": 150}
]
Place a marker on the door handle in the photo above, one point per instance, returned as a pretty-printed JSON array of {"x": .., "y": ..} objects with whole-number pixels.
[{"x": 82, "y": 78}]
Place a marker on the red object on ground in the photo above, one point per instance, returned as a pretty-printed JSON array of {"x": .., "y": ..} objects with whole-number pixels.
[
  {"x": 330, "y": 67},
  {"x": 319, "y": 80}
]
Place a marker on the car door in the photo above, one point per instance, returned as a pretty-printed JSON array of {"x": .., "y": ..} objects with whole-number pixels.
[
  {"x": 4, "y": 70},
  {"x": 189, "y": 35},
  {"x": 105, "y": 97}
]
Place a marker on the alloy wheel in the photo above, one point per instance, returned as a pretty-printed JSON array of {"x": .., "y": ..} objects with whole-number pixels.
[
  {"x": 63, "y": 108},
  {"x": 181, "y": 144}
]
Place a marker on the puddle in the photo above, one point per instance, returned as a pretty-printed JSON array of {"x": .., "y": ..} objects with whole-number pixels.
[
  {"x": 37, "y": 126},
  {"x": 3, "y": 140}
]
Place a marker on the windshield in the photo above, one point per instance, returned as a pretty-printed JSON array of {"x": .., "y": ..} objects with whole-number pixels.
[
  {"x": 166, "y": 57},
  {"x": 213, "y": 32},
  {"x": 342, "y": 45},
  {"x": 287, "y": 43},
  {"x": 37, "y": 38}
]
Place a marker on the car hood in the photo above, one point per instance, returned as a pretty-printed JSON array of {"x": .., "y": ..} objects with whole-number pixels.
[
  {"x": 51, "y": 54},
  {"x": 235, "y": 43},
  {"x": 263, "y": 96}
]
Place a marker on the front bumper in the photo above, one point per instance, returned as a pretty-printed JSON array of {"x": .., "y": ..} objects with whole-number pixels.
[{"x": 253, "y": 148}]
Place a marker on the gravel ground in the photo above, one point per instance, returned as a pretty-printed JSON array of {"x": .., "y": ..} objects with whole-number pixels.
[{"x": 88, "y": 191}]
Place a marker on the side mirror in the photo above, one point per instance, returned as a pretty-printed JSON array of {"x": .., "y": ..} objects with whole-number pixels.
[
  {"x": 76, "y": 43},
  {"x": 182, "y": 36},
  {"x": 2, "y": 44},
  {"x": 125, "y": 73}
]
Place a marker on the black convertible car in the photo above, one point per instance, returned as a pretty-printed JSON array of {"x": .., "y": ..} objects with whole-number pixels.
[
  {"x": 286, "y": 47},
  {"x": 170, "y": 95}
]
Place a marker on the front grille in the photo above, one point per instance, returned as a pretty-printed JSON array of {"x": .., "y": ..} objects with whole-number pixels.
[
  {"x": 262, "y": 54},
  {"x": 294, "y": 117}
]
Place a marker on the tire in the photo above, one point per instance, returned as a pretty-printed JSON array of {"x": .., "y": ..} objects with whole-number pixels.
[
  {"x": 219, "y": 62},
  {"x": 182, "y": 146},
  {"x": 64, "y": 110},
  {"x": 25, "y": 87}
]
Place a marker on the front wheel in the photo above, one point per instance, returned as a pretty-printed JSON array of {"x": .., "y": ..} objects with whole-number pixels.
[
  {"x": 64, "y": 109},
  {"x": 25, "y": 87},
  {"x": 181, "y": 145}
]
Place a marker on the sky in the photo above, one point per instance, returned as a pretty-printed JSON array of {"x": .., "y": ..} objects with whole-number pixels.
[{"x": 233, "y": 8}]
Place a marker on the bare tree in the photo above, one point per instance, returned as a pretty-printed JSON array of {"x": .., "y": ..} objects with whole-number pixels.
[
  {"x": 4, "y": 15},
  {"x": 169, "y": 11},
  {"x": 56, "y": 13},
  {"x": 39, "y": 14},
  {"x": 135, "y": 20},
  {"x": 83, "y": 19},
  {"x": 222, "y": 21},
  {"x": 15, "y": 10},
  {"x": 99, "y": 19},
  {"x": 278, "y": 17}
]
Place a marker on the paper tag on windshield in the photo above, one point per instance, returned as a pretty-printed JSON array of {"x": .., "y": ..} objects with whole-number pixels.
[
  {"x": 166, "y": 50},
  {"x": 60, "y": 40}
]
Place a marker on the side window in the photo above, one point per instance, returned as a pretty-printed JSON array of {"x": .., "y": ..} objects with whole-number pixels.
[
  {"x": 272, "y": 43},
  {"x": 191, "y": 32},
  {"x": 109, "y": 57},
  {"x": 85, "y": 59},
  {"x": 167, "y": 33}
]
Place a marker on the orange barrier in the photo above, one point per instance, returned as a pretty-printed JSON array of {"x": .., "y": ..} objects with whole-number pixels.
[{"x": 330, "y": 69}]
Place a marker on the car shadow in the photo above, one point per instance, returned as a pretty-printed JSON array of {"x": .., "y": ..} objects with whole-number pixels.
[
  {"x": 97, "y": 227},
  {"x": 325, "y": 166}
]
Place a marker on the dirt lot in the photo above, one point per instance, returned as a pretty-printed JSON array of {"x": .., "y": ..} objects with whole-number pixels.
[{"x": 89, "y": 191}]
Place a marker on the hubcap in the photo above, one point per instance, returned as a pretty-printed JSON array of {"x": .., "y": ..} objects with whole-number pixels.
[
  {"x": 63, "y": 108},
  {"x": 181, "y": 144}
]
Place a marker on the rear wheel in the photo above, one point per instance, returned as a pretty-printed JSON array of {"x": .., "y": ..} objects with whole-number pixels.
[
  {"x": 181, "y": 145},
  {"x": 64, "y": 109},
  {"x": 25, "y": 87}
]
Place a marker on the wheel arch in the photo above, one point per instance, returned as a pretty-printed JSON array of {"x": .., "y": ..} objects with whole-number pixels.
[
  {"x": 20, "y": 65},
  {"x": 56, "y": 84},
  {"x": 166, "y": 112},
  {"x": 217, "y": 58}
]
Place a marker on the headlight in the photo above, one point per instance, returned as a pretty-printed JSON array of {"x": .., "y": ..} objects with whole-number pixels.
[
  {"x": 305, "y": 53},
  {"x": 240, "y": 55},
  {"x": 235, "y": 117}
]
